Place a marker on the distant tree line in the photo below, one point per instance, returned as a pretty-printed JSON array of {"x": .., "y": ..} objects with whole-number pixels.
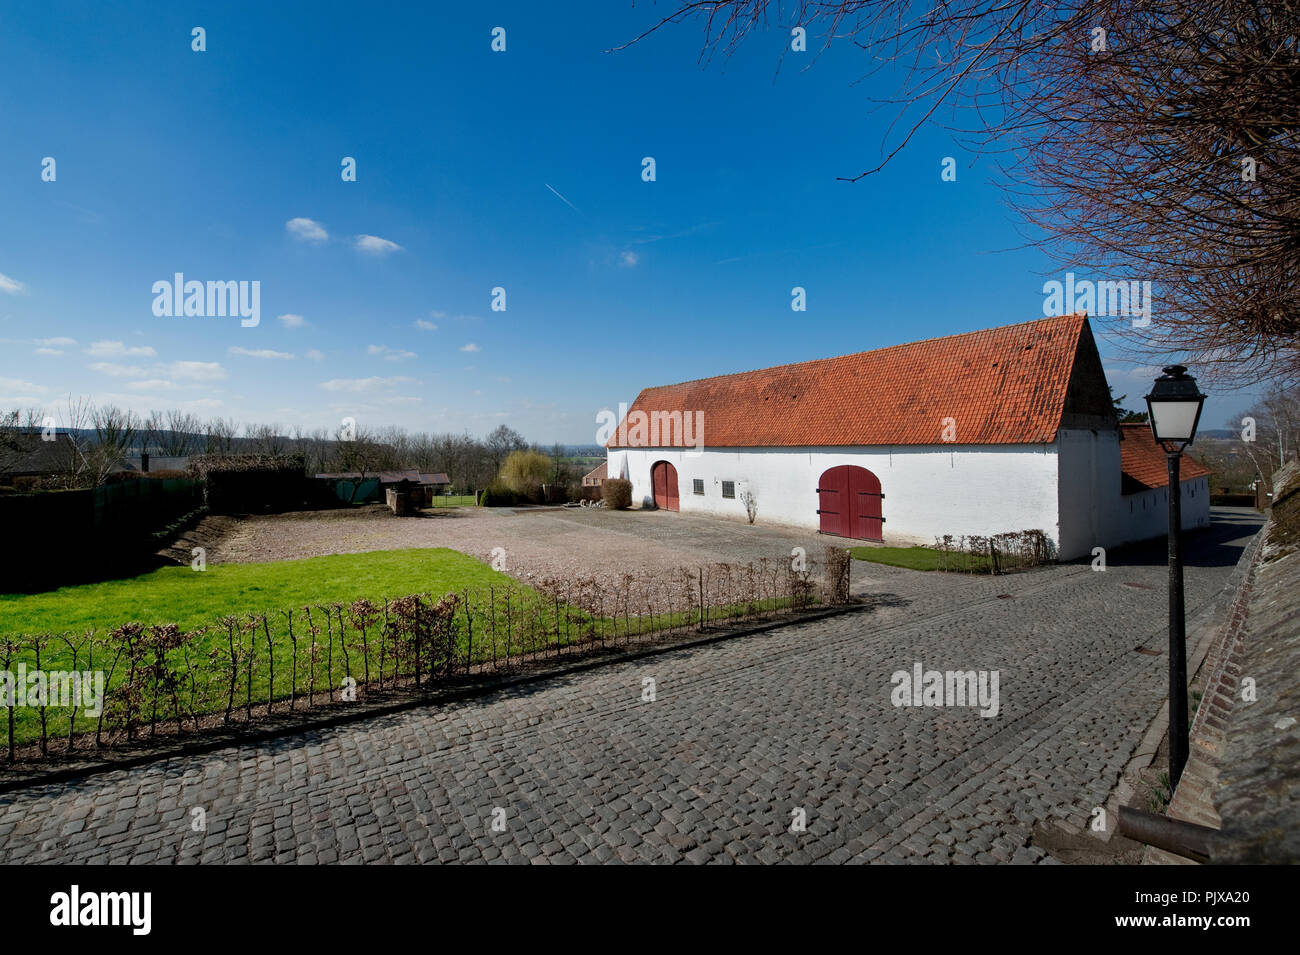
[
  {"x": 99, "y": 438},
  {"x": 1264, "y": 437}
]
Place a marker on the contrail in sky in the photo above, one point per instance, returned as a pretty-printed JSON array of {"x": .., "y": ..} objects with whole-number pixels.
[{"x": 565, "y": 201}]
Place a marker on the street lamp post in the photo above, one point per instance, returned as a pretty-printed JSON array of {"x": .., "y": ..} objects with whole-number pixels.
[{"x": 1174, "y": 410}]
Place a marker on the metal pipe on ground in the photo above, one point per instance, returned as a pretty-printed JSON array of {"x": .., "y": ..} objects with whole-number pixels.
[{"x": 1185, "y": 839}]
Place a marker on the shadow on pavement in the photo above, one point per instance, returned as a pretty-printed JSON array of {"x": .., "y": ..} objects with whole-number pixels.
[{"x": 1219, "y": 545}]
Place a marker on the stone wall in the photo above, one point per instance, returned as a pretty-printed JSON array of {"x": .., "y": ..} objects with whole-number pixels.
[{"x": 1258, "y": 797}]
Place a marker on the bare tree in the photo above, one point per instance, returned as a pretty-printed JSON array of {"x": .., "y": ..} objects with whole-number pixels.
[
  {"x": 501, "y": 442},
  {"x": 360, "y": 453},
  {"x": 220, "y": 436},
  {"x": 74, "y": 453},
  {"x": 150, "y": 435},
  {"x": 315, "y": 447},
  {"x": 115, "y": 431},
  {"x": 1271, "y": 431},
  {"x": 181, "y": 435},
  {"x": 1147, "y": 140},
  {"x": 266, "y": 439},
  {"x": 15, "y": 440}
]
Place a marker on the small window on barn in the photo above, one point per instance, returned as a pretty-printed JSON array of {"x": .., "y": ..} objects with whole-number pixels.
[
  {"x": 698, "y": 485},
  {"x": 729, "y": 489}
]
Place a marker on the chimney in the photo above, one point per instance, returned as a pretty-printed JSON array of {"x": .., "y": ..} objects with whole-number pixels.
[{"x": 144, "y": 462}]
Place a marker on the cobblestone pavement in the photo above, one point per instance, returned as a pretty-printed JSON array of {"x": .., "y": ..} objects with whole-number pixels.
[{"x": 743, "y": 737}]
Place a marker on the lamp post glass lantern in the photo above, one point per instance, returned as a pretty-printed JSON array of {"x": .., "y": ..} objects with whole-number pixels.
[{"x": 1174, "y": 410}]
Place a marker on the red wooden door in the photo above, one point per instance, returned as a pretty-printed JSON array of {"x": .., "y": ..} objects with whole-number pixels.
[
  {"x": 849, "y": 503},
  {"x": 832, "y": 502},
  {"x": 865, "y": 520},
  {"x": 663, "y": 476}
]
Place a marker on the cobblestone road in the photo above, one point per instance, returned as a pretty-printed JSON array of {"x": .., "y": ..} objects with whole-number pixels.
[{"x": 741, "y": 738}]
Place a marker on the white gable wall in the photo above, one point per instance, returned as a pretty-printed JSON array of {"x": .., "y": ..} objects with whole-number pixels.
[
  {"x": 1095, "y": 511},
  {"x": 1089, "y": 490},
  {"x": 929, "y": 490}
]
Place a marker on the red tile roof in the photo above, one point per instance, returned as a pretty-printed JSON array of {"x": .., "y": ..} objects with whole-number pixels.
[
  {"x": 1001, "y": 386},
  {"x": 1143, "y": 462},
  {"x": 598, "y": 474}
]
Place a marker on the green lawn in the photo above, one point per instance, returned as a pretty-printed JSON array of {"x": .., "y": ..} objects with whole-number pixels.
[
  {"x": 914, "y": 558},
  {"x": 192, "y": 598},
  {"x": 215, "y": 668}
]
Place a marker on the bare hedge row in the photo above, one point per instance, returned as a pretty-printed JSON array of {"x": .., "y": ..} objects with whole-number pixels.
[
  {"x": 997, "y": 554},
  {"x": 161, "y": 679}
]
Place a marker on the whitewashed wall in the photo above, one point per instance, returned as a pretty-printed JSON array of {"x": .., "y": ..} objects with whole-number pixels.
[
  {"x": 929, "y": 491},
  {"x": 1071, "y": 490},
  {"x": 1089, "y": 493},
  {"x": 1095, "y": 511},
  {"x": 1143, "y": 516}
]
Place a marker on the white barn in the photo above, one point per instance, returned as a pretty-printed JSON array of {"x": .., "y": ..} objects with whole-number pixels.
[{"x": 1006, "y": 429}]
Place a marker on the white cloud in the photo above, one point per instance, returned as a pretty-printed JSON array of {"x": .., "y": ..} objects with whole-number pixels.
[
  {"x": 197, "y": 370},
  {"x": 389, "y": 354},
  {"x": 17, "y": 384},
  {"x": 118, "y": 371},
  {"x": 59, "y": 342},
  {"x": 364, "y": 384},
  {"x": 374, "y": 245},
  {"x": 427, "y": 326},
  {"x": 629, "y": 258},
  {"x": 306, "y": 230},
  {"x": 12, "y": 286},
  {"x": 50, "y": 351},
  {"x": 437, "y": 314},
  {"x": 112, "y": 349},
  {"x": 470, "y": 347},
  {"x": 315, "y": 354},
  {"x": 291, "y": 320},
  {"x": 259, "y": 352},
  {"x": 153, "y": 384},
  {"x": 201, "y": 404}
]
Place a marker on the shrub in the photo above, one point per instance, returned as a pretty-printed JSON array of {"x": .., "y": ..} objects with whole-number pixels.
[
  {"x": 121, "y": 477},
  {"x": 837, "y": 575},
  {"x": 524, "y": 472},
  {"x": 751, "y": 505},
  {"x": 617, "y": 493},
  {"x": 497, "y": 494}
]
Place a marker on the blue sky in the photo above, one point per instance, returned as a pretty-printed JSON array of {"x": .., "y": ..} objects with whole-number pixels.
[{"x": 170, "y": 160}]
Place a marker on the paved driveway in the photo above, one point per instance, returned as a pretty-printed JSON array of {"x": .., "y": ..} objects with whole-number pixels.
[{"x": 743, "y": 739}]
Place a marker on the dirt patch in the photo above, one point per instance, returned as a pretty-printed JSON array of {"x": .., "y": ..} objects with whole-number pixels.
[{"x": 207, "y": 533}]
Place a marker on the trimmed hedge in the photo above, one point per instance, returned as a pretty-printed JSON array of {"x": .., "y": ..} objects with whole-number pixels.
[
  {"x": 252, "y": 483},
  {"x": 497, "y": 494},
  {"x": 617, "y": 493}
]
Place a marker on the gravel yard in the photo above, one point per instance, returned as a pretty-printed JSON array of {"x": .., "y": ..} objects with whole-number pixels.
[{"x": 540, "y": 542}]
